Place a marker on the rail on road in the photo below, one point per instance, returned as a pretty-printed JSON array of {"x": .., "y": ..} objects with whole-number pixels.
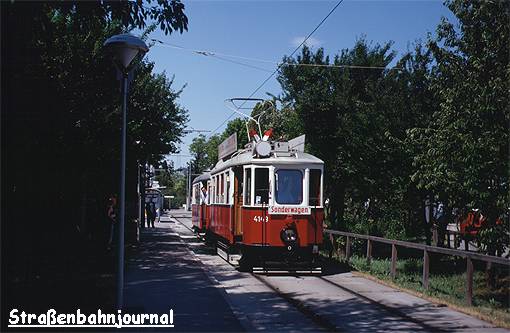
[{"x": 427, "y": 249}]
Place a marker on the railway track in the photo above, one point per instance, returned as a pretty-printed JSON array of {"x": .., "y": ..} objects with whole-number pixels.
[
  {"x": 299, "y": 306},
  {"x": 299, "y": 292}
]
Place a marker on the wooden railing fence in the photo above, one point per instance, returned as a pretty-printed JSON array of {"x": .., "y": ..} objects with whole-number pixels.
[{"x": 427, "y": 249}]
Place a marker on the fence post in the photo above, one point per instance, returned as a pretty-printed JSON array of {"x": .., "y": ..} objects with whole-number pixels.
[
  {"x": 425, "y": 269},
  {"x": 393, "y": 261},
  {"x": 469, "y": 281},
  {"x": 435, "y": 237},
  {"x": 348, "y": 249},
  {"x": 333, "y": 245},
  {"x": 369, "y": 250}
]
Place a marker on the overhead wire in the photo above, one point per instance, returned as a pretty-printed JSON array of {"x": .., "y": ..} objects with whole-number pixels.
[
  {"x": 208, "y": 52},
  {"x": 279, "y": 66},
  {"x": 223, "y": 56},
  {"x": 242, "y": 64}
]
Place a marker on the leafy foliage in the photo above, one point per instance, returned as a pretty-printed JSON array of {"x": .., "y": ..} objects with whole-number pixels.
[
  {"x": 463, "y": 155},
  {"x": 436, "y": 126},
  {"x": 343, "y": 116},
  {"x": 61, "y": 120}
]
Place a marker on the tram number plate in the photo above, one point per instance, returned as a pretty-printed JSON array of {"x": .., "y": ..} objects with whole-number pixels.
[{"x": 260, "y": 218}]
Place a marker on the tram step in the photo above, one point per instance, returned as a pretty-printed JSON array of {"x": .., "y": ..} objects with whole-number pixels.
[{"x": 232, "y": 259}]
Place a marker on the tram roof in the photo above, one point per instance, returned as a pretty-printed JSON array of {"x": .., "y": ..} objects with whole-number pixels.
[
  {"x": 204, "y": 176},
  {"x": 246, "y": 157}
]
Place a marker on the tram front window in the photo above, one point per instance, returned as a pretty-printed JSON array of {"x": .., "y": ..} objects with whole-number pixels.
[{"x": 289, "y": 187}]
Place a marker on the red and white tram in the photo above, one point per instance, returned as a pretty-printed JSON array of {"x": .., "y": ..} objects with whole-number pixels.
[
  {"x": 200, "y": 204},
  {"x": 263, "y": 202}
]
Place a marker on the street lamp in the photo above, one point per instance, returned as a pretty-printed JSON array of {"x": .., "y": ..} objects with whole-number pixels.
[{"x": 125, "y": 48}]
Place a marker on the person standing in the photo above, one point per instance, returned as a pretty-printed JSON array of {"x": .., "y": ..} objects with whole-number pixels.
[
  {"x": 148, "y": 214},
  {"x": 111, "y": 212},
  {"x": 204, "y": 197},
  {"x": 153, "y": 213}
]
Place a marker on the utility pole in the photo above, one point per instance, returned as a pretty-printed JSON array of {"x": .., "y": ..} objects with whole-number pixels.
[
  {"x": 188, "y": 203},
  {"x": 143, "y": 185},
  {"x": 188, "y": 182}
]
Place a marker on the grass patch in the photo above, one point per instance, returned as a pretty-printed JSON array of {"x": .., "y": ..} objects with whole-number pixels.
[{"x": 447, "y": 283}]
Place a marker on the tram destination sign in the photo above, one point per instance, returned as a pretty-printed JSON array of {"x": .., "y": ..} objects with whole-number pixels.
[
  {"x": 289, "y": 210},
  {"x": 228, "y": 146}
]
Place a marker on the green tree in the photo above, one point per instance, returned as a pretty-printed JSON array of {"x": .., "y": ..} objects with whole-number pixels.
[
  {"x": 238, "y": 126},
  {"x": 156, "y": 119},
  {"x": 199, "y": 152},
  {"x": 337, "y": 109},
  {"x": 61, "y": 109},
  {"x": 283, "y": 120},
  {"x": 175, "y": 182},
  {"x": 463, "y": 153}
]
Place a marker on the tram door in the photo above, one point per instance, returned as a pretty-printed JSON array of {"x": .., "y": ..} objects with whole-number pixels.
[
  {"x": 238, "y": 201},
  {"x": 202, "y": 205}
]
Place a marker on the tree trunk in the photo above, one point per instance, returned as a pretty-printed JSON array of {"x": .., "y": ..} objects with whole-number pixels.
[{"x": 337, "y": 206}]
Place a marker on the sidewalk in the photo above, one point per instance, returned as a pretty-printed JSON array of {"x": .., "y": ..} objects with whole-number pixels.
[{"x": 164, "y": 275}]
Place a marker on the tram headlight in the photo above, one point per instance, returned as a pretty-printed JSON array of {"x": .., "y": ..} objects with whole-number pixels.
[{"x": 288, "y": 235}]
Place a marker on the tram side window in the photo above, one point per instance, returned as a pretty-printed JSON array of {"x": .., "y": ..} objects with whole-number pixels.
[
  {"x": 196, "y": 194},
  {"x": 247, "y": 189},
  {"x": 289, "y": 186},
  {"x": 217, "y": 185},
  {"x": 220, "y": 186},
  {"x": 209, "y": 192},
  {"x": 227, "y": 188},
  {"x": 261, "y": 186},
  {"x": 215, "y": 189},
  {"x": 315, "y": 187}
]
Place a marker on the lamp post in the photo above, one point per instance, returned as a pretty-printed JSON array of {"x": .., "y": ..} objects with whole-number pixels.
[{"x": 125, "y": 48}]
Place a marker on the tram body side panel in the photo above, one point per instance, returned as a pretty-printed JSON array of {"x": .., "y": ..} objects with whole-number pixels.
[
  {"x": 200, "y": 216},
  {"x": 207, "y": 217},
  {"x": 254, "y": 231},
  {"x": 221, "y": 221},
  {"x": 195, "y": 215}
]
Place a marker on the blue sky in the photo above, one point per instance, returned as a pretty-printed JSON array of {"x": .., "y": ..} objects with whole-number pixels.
[{"x": 268, "y": 30}]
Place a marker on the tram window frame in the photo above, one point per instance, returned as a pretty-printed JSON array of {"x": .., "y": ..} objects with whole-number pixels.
[
  {"x": 196, "y": 194},
  {"x": 215, "y": 190},
  {"x": 247, "y": 187},
  {"x": 315, "y": 201},
  {"x": 222, "y": 188},
  {"x": 209, "y": 191},
  {"x": 218, "y": 189},
  {"x": 263, "y": 191},
  {"x": 276, "y": 182},
  {"x": 227, "y": 187}
]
